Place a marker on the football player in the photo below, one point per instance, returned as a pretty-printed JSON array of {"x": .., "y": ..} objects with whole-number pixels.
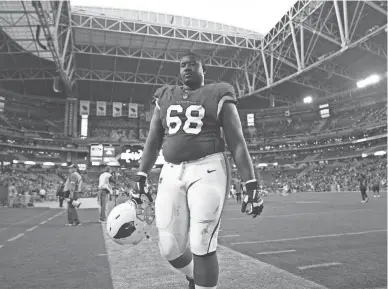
[
  {"x": 72, "y": 189},
  {"x": 376, "y": 187},
  {"x": 194, "y": 182},
  {"x": 363, "y": 187}
]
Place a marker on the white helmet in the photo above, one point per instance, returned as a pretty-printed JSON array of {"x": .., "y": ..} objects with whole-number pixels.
[{"x": 129, "y": 223}]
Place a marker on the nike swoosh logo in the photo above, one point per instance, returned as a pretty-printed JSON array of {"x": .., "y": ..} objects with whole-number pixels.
[
  {"x": 210, "y": 171},
  {"x": 193, "y": 183}
]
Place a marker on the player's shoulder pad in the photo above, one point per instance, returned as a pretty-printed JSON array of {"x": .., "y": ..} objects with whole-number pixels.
[
  {"x": 161, "y": 92},
  {"x": 223, "y": 90}
]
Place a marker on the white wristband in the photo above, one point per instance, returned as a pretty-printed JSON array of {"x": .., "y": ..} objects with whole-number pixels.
[
  {"x": 142, "y": 174},
  {"x": 251, "y": 181}
]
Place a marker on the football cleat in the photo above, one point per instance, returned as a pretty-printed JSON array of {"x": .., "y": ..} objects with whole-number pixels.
[
  {"x": 130, "y": 223},
  {"x": 191, "y": 283}
]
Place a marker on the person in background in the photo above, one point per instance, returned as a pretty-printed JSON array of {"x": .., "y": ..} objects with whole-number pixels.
[
  {"x": 233, "y": 190},
  {"x": 363, "y": 187},
  {"x": 244, "y": 191},
  {"x": 73, "y": 188},
  {"x": 376, "y": 187},
  {"x": 42, "y": 194},
  {"x": 104, "y": 190},
  {"x": 59, "y": 194},
  {"x": 239, "y": 193},
  {"x": 12, "y": 195},
  {"x": 3, "y": 194}
]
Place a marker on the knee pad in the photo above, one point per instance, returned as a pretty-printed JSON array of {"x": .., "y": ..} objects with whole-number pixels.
[
  {"x": 169, "y": 247},
  {"x": 171, "y": 197},
  {"x": 204, "y": 243},
  {"x": 172, "y": 220}
]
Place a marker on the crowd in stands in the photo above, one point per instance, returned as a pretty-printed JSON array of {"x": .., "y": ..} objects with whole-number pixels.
[
  {"x": 319, "y": 140},
  {"x": 312, "y": 124},
  {"x": 314, "y": 177},
  {"x": 118, "y": 135},
  {"x": 126, "y": 130},
  {"x": 325, "y": 176},
  {"x": 61, "y": 143},
  {"x": 328, "y": 167},
  {"x": 28, "y": 183},
  {"x": 343, "y": 176}
]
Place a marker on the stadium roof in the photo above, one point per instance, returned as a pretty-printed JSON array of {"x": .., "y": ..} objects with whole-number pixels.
[{"x": 317, "y": 48}]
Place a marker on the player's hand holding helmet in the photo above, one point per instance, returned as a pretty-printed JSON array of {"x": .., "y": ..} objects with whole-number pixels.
[
  {"x": 140, "y": 188},
  {"x": 68, "y": 195},
  {"x": 252, "y": 203}
]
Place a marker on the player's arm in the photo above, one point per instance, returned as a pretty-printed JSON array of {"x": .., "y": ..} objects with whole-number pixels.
[
  {"x": 252, "y": 203},
  {"x": 236, "y": 142},
  {"x": 112, "y": 179},
  {"x": 153, "y": 143},
  {"x": 150, "y": 154},
  {"x": 79, "y": 183}
]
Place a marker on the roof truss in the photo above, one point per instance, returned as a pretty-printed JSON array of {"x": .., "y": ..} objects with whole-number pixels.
[{"x": 284, "y": 46}]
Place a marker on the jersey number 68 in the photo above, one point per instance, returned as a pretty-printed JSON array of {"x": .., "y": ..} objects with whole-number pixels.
[{"x": 174, "y": 123}]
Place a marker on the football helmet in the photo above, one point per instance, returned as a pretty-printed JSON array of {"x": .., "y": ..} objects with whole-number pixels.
[
  {"x": 73, "y": 202},
  {"x": 130, "y": 223}
]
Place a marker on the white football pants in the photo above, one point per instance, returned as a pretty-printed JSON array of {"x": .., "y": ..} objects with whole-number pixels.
[{"x": 191, "y": 197}]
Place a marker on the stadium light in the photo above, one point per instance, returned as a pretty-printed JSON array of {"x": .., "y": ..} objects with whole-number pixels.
[
  {"x": 364, "y": 155},
  {"x": 48, "y": 164},
  {"x": 29, "y": 163},
  {"x": 380, "y": 153},
  {"x": 262, "y": 165},
  {"x": 372, "y": 79},
  {"x": 308, "y": 99},
  {"x": 15, "y": 161},
  {"x": 64, "y": 165}
]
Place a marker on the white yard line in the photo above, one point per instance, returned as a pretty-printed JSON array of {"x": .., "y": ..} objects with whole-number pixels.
[
  {"x": 300, "y": 214},
  {"x": 310, "y": 237},
  {"x": 24, "y": 221},
  {"x": 32, "y": 228},
  {"x": 16, "y": 237},
  {"x": 275, "y": 252},
  {"x": 319, "y": 265}
]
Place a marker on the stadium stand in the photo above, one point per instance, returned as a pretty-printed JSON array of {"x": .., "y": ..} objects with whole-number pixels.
[
  {"x": 302, "y": 146},
  {"x": 58, "y": 100}
]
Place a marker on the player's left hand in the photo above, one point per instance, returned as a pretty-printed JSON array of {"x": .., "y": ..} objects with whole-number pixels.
[
  {"x": 140, "y": 189},
  {"x": 252, "y": 204}
]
